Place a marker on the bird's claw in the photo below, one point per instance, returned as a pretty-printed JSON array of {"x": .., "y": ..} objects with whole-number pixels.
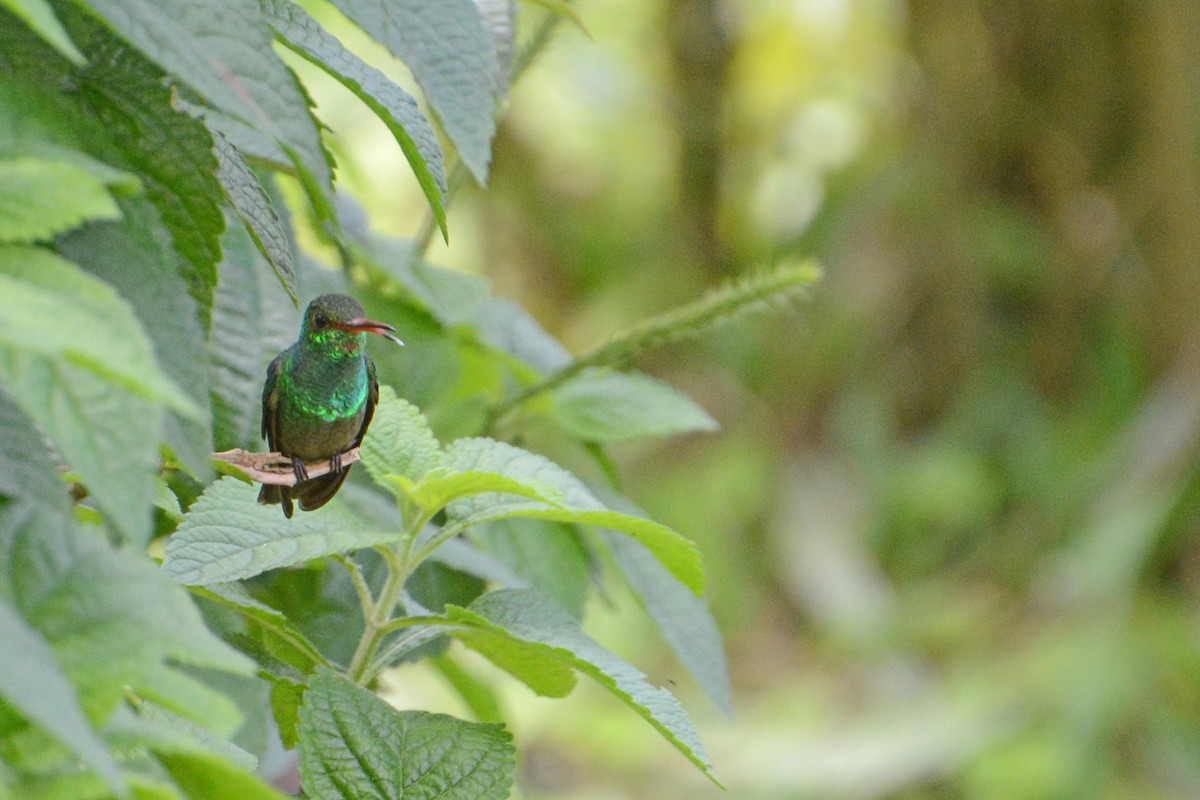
[
  {"x": 299, "y": 470},
  {"x": 335, "y": 463}
]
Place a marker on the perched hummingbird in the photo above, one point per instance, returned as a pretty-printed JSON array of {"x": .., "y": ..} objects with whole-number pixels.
[{"x": 319, "y": 397}]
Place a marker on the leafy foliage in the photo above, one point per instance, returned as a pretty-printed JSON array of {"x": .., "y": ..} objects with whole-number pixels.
[{"x": 148, "y": 271}]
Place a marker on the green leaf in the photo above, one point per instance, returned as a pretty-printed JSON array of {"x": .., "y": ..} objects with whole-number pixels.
[
  {"x": 29, "y": 481},
  {"x": 549, "y": 556},
  {"x": 39, "y": 198},
  {"x": 253, "y": 205},
  {"x": 30, "y": 680},
  {"x": 440, "y": 488},
  {"x": 684, "y": 619},
  {"x": 395, "y": 107},
  {"x": 207, "y": 777},
  {"x": 222, "y": 49},
  {"x": 605, "y": 406},
  {"x": 453, "y": 58},
  {"x": 151, "y": 727},
  {"x": 565, "y": 499},
  {"x": 136, "y": 258},
  {"x": 227, "y": 536},
  {"x": 399, "y": 441},
  {"x": 353, "y": 745},
  {"x": 39, "y": 16},
  {"x": 526, "y": 629},
  {"x": 51, "y": 308},
  {"x": 269, "y": 628}
]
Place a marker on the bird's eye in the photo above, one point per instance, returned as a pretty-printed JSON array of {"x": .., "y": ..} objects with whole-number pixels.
[{"x": 320, "y": 321}]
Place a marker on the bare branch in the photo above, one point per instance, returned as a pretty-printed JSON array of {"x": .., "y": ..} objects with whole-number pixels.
[{"x": 276, "y": 468}]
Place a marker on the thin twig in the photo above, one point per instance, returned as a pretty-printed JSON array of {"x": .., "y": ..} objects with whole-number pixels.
[{"x": 276, "y": 468}]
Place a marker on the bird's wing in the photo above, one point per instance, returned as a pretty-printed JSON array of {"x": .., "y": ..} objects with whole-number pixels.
[
  {"x": 372, "y": 399},
  {"x": 270, "y": 404}
]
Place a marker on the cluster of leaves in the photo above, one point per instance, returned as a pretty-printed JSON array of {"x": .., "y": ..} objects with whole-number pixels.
[{"x": 148, "y": 271}]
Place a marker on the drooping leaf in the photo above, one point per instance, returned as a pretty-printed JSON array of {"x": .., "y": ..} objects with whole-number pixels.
[
  {"x": 227, "y": 536},
  {"x": 353, "y": 745},
  {"x": 395, "y": 107},
  {"x": 453, "y": 58},
  {"x": 40, "y": 198},
  {"x": 606, "y": 406},
  {"x": 528, "y": 632},
  {"x": 222, "y": 50},
  {"x": 269, "y": 628},
  {"x": 565, "y": 499},
  {"x": 256, "y": 210},
  {"x": 684, "y": 619},
  {"x": 32, "y": 682},
  {"x": 39, "y": 16},
  {"x": 136, "y": 258},
  {"x": 399, "y": 441}
]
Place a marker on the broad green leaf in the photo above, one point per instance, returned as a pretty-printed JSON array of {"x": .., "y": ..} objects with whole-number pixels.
[
  {"x": 151, "y": 727},
  {"x": 684, "y": 619},
  {"x": 354, "y": 746},
  {"x": 29, "y": 481},
  {"x": 40, "y": 198},
  {"x": 32, "y": 682},
  {"x": 135, "y": 257},
  {"x": 500, "y": 20},
  {"x": 110, "y": 438},
  {"x": 39, "y": 16},
  {"x": 227, "y": 536},
  {"x": 167, "y": 148},
  {"x": 438, "y": 488},
  {"x": 51, "y": 308},
  {"x": 605, "y": 406},
  {"x": 207, "y": 777},
  {"x": 395, "y": 107},
  {"x": 109, "y": 615},
  {"x": 572, "y": 503},
  {"x": 186, "y": 696},
  {"x": 399, "y": 441},
  {"x": 268, "y": 627},
  {"x": 549, "y": 556},
  {"x": 253, "y": 205},
  {"x": 528, "y": 630},
  {"x": 222, "y": 49},
  {"x": 452, "y": 57}
]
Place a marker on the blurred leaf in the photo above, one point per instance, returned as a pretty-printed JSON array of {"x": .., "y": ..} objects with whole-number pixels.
[
  {"x": 30, "y": 679},
  {"x": 395, "y": 107},
  {"x": 222, "y": 49},
  {"x": 683, "y": 618},
  {"x": 158, "y": 730},
  {"x": 453, "y": 58},
  {"x": 399, "y": 441},
  {"x": 549, "y": 556},
  {"x": 206, "y": 777},
  {"x": 39, "y": 15},
  {"x": 39, "y": 198},
  {"x": 268, "y": 627},
  {"x": 135, "y": 257},
  {"x": 227, "y": 535},
  {"x": 354, "y": 745},
  {"x": 564, "y": 499},
  {"x": 245, "y": 191},
  {"x": 606, "y": 406},
  {"x": 29, "y": 481},
  {"x": 525, "y": 634}
]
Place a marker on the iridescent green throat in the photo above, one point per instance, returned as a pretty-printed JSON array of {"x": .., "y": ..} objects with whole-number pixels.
[{"x": 325, "y": 382}]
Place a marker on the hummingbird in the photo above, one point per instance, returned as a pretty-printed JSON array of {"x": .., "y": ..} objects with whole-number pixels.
[{"x": 319, "y": 397}]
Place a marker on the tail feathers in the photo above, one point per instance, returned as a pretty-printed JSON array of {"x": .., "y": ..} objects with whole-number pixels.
[
  {"x": 316, "y": 492},
  {"x": 270, "y": 495}
]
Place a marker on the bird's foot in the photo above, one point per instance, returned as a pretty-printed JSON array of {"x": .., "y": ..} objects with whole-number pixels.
[
  {"x": 299, "y": 470},
  {"x": 335, "y": 463}
]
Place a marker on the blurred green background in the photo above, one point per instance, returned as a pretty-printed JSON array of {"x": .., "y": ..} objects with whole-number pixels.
[{"x": 950, "y": 517}]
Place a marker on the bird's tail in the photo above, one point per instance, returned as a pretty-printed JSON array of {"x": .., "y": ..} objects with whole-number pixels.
[
  {"x": 316, "y": 492},
  {"x": 270, "y": 495}
]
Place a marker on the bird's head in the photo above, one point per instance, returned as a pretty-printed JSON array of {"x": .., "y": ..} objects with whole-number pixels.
[{"x": 338, "y": 322}]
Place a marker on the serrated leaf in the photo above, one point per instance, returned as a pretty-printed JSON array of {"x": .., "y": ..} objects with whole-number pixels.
[
  {"x": 255, "y": 209},
  {"x": 51, "y": 308},
  {"x": 684, "y": 619},
  {"x": 605, "y": 406},
  {"x": 354, "y": 746},
  {"x": 395, "y": 107},
  {"x": 228, "y": 536},
  {"x": 273, "y": 631},
  {"x": 222, "y": 49},
  {"x": 500, "y": 20},
  {"x": 439, "y": 488},
  {"x": 399, "y": 441},
  {"x": 39, "y": 16},
  {"x": 452, "y": 57},
  {"x": 32, "y": 682},
  {"x": 135, "y": 257},
  {"x": 510, "y": 621},
  {"x": 572, "y": 503},
  {"x": 40, "y": 198}
]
